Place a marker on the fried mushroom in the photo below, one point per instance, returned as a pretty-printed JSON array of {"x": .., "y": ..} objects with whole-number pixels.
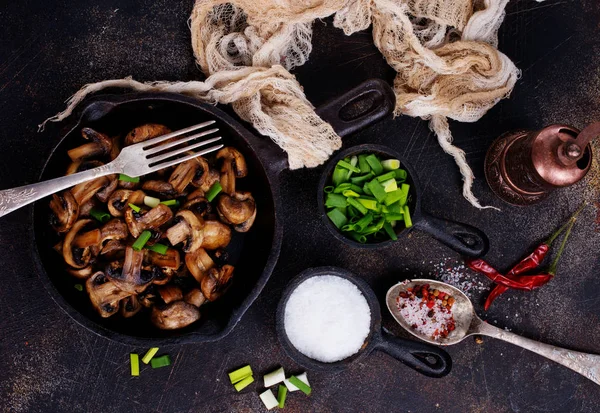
[
  {"x": 118, "y": 201},
  {"x": 194, "y": 297},
  {"x": 65, "y": 211},
  {"x": 233, "y": 166},
  {"x": 131, "y": 278},
  {"x": 175, "y": 315},
  {"x": 107, "y": 191},
  {"x": 100, "y": 145},
  {"x": 83, "y": 192},
  {"x": 215, "y": 235},
  {"x": 151, "y": 220},
  {"x": 161, "y": 188},
  {"x": 145, "y": 132},
  {"x": 238, "y": 209},
  {"x": 183, "y": 175},
  {"x": 198, "y": 263},
  {"x": 216, "y": 281},
  {"x": 104, "y": 294},
  {"x": 170, "y": 293},
  {"x": 189, "y": 230},
  {"x": 130, "y": 306},
  {"x": 76, "y": 257}
]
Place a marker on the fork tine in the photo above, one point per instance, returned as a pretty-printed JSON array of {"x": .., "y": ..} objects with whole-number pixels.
[
  {"x": 178, "y": 151},
  {"x": 181, "y": 140},
  {"x": 154, "y": 167},
  {"x": 161, "y": 138}
]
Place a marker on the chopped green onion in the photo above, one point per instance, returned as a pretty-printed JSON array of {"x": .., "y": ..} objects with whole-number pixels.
[
  {"x": 304, "y": 388},
  {"x": 366, "y": 189},
  {"x": 269, "y": 399},
  {"x": 378, "y": 190},
  {"x": 100, "y": 215},
  {"x": 348, "y": 166},
  {"x": 339, "y": 175},
  {"x": 357, "y": 205},
  {"x": 394, "y": 208},
  {"x": 151, "y": 201},
  {"x": 390, "y": 231},
  {"x": 407, "y": 218},
  {"x": 335, "y": 201},
  {"x": 369, "y": 203},
  {"x": 353, "y": 162},
  {"x": 405, "y": 188},
  {"x": 401, "y": 174},
  {"x": 374, "y": 164},
  {"x": 345, "y": 186},
  {"x": 149, "y": 354},
  {"x": 362, "y": 223},
  {"x": 274, "y": 377},
  {"x": 142, "y": 240},
  {"x": 394, "y": 217},
  {"x": 125, "y": 178},
  {"x": 162, "y": 361},
  {"x": 135, "y": 208},
  {"x": 134, "y": 361},
  {"x": 159, "y": 248},
  {"x": 361, "y": 179},
  {"x": 328, "y": 189},
  {"x": 240, "y": 374},
  {"x": 363, "y": 164},
  {"x": 302, "y": 377},
  {"x": 353, "y": 212},
  {"x": 78, "y": 287},
  {"x": 390, "y": 164},
  {"x": 338, "y": 219},
  {"x": 389, "y": 185},
  {"x": 245, "y": 382},
  {"x": 385, "y": 177},
  {"x": 170, "y": 202},
  {"x": 350, "y": 193},
  {"x": 281, "y": 395},
  {"x": 393, "y": 197},
  {"x": 213, "y": 191}
]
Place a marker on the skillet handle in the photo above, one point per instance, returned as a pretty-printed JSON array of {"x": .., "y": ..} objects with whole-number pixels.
[
  {"x": 359, "y": 107},
  {"x": 462, "y": 238},
  {"x": 425, "y": 358}
]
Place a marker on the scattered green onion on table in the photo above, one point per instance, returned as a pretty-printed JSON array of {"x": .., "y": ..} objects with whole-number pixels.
[{"x": 368, "y": 197}]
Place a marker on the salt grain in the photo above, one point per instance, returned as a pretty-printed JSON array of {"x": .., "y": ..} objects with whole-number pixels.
[{"x": 327, "y": 318}]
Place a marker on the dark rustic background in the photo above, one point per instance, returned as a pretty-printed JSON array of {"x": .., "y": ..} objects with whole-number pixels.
[{"x": 48, "y": 363}]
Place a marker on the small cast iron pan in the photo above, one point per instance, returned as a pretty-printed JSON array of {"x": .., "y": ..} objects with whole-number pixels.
[
  {"x": 462, "y": 238},
  {"x": 253, "y": 254},
  {"x": 425, "y": 358}
]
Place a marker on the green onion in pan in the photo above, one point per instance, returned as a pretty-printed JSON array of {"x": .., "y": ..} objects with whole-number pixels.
[
  {"x": 390, "y": 164},
  {"x": 362, "y": 223},
  {"x": 393, "y": 197},
  {"x": 362, "y": 178},
  {"x": 170, "y": 202},
  {"x": 357, "y": 205},
  {"x": 385, "y": 177},
  {"x": 401, "y": 174},
  {"x": 328, "y": 189},
  {"x": 363, "y": 164},
  {"x": 348, "y": 166},
  {"x": 358, "y": 237},
  {"x": 339, "y": 175},
  {"x": 407, "y": 218},
  {"x": 125, "y": 178},
  {"x": 353, "y": 212},
  {"x": 353, "y": 162},
  {"x": 213, "y": 191},
  {"x": 390, "y": 231},
  {"x": 369, "y": 203},
  {"x": 390, "y": 185},
  {"x": 350, "y": 193},
  {"x": 338, "y": 219},
  {"x": 377, "y": 190},
  {"x": 162, "y": 361},
  {"x": 142, "y": 240},
  {"x": 395, "y": 208},
  {"x": 347, "y": 185},
  {"x": 374, "y": 164},
  {"x": 100, "y": 215},
  {"x": 335, "y": 201},
  {"x": 159, "y": 248},
  {"x": 394, "y": 217},
  {"x": 135, "y": 208}
]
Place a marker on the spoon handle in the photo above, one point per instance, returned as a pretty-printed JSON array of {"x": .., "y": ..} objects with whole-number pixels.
[{"x": 588, "y": 365}]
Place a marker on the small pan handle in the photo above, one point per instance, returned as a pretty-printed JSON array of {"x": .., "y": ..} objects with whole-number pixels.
[
  {"x": 462, "y": 238},
  {"x": 425, "y": 358},
  {"x": 359, "y": 107}
]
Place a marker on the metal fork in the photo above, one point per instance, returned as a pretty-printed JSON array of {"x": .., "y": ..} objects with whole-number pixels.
[{"x": 135, "y": 160}]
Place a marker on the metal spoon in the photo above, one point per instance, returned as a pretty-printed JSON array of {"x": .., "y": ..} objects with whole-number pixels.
[{"x": 468, "y": 324}]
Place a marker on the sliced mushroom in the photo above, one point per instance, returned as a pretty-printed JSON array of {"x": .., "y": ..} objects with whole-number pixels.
[
  {"x": 145, "y": 132},
  {"x": 233, "y": 166},
  {"x": 203, "y": 175},
  {"x": 162, "y": 188},
  {"x": 128, "y": 185},
  {"x": 188, "y": 230},
  {"x": 151, "y": 220},
  {"x": 113, "y": 250},
  {"x": 198, "y": 263},
  {"x": 238, "y": 209},
  {"x": 87, "y": 239},
  {"x": 82, "y": 165},
  {"x": 119, "y": 200},
  {"x": 194, "y": 297},
  {"x": 215, "y": 235},
  {"x": 84, "y": 210},
  {"x": 107, "y": 191},
  {"x": 183, "y": 175},
  {"x": 130, "y": 306},
  {"x": 65, "y": 210},
  {"x": 131, "y": 278},
  {"x": 170, "y": 293},
  {"x": 199, "y": 206},
  {"x": 149, "y": 297},
  {"x": 211, "y": 178},
  {"x": 115, "y": 229},
  {"x": 104, "y": 294},
  {"x": 86, "y": 190},
  {"x": 101, "y": 145},
  {"x": 175, "y": 315},
  {"x": 82, "y": 273},
  {"x": 77, "y": 258},
  {"x": 170, "y": 261},
  {"x": 216, "y": 281}
]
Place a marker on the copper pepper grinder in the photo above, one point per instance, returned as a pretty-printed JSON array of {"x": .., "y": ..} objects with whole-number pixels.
[{"x": 523, "y": 167}]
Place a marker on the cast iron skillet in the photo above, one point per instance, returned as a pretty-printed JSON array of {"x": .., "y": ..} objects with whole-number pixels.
[
  {"x": 425, "y": 358},
  {"x": 460, "y": 237},
  {"x": 254, "y": 254}
]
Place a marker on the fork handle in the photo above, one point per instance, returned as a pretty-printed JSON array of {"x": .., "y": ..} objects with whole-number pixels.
[{"x": 15, "y": 198}]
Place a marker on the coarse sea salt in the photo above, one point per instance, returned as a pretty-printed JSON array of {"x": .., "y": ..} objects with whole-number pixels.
[{"x": 327, "y": 318}]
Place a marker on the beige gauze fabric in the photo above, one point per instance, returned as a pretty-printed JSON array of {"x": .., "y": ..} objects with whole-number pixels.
[{"x": 443, "y": 50}]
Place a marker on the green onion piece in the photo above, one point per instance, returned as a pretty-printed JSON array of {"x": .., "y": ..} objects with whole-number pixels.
[
  {"x": 339, "y": 175},
  {"x": 385, "y": 177},
  {"x": 151, "y": 201},
  {"x": 281, "y": 395},
  {"x": 357, "y": 205},
  {"x": 366, "y": 189},
  {"x": 361, "y": 179},
  {"x": 78, "y": 287},
  {"x": 390, "y": 164},
  {"x": 389, "y": 185},
  {"x": 394, "y": 208},
  {"x": 149, "y": 354},
  {"x": 240, "y": 374},
  {"x": 348, "y": 166},
  {"x": 405, "y": 188},
  {"x": 363, "y": 164},
  {"x": 170, "y": 202},
  {"x": 394, "y": 217},
  {"x": 125, "y": 178},
  {"x": 353, "y": 162},
  {"x": 100, "y": 215},
  {"x": 350, "y": 193},
  {"x": 353, "y": 212},
  {"x": 407, "y": 218},
  {"x": 358, "y": 237},
  {"x": 338, "y": 219},
  {"x": 142, "y": 240},
  {"x": 374, "y": 164},
  {"x": 378, "y": 190},
  {"x": 274, "y": 377},
  {"x": 390, "y": 231},
  {"x": 369, "y": 203},
  {"x": 268, "y": 399},
  {"x": 242, "y": 384},
  {"x": 362, "y": 223},
  {"x": 213, "y": 191},
  {"x": 134, "y": 361},
  {"x": 162, "y": 361},
  {"x": 301, "y": 385},
  {"x": 347, "y": 186},
  {"x": 159, "y": 248},
  {"x": 401, "y": 174},
  {"x": 135, "y": 208},
  {"x": 393, "y": 197},
  {"x": 335, "y": 201},
  {"x": 328, "y": 189}
]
